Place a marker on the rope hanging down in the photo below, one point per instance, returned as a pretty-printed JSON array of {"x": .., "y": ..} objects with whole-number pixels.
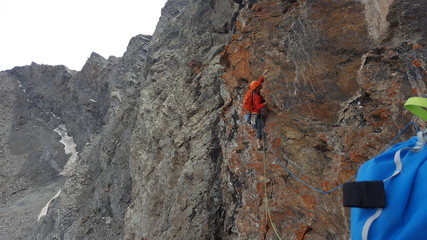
[
  {"x": 339, "y": 186},
  {"x": 267, "y": 208}
]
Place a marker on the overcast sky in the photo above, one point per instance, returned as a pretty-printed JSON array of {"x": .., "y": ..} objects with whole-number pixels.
[{"x": 66, "y": 32}]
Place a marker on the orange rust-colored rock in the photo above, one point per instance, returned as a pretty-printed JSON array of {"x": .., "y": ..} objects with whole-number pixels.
[
  {"x": 358, "y": 157},
  {"x": 417, "y": 63},
  {"x": 335, "y": 95},
  {"x": 309, "y": 201},
  {"x": 302, "y": 231},
  {"x": 417, "y": 46}
]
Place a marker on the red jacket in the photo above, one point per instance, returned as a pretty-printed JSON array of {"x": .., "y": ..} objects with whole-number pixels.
[{"x": 258, "y": 99}]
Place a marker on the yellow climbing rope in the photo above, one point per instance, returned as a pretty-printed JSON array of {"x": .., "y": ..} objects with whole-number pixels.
[{"x": 267, "y": 209}]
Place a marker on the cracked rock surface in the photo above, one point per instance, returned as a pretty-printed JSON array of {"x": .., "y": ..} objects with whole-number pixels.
[{"x": 163, "y": 149}]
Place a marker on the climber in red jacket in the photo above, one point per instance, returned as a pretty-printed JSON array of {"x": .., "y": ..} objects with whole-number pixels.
[{"x": 258, "y": 104}]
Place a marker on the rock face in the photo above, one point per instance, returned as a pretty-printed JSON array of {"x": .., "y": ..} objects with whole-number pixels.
[
  {"x": 340, "y": 73},
  {"x": 93, "y": 201},
  {"x": 163, "y": 150},
  {"x": 91, "y": 111},
  {"x": 29, "y": 167},
  {"x": 176, "y": 155}
]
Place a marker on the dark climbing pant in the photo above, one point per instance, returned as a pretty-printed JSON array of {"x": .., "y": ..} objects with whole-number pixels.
[{"x": 259, "y": 125}]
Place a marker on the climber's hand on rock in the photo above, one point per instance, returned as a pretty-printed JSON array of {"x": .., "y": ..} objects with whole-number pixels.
[{"x": 265, "y": 71}]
